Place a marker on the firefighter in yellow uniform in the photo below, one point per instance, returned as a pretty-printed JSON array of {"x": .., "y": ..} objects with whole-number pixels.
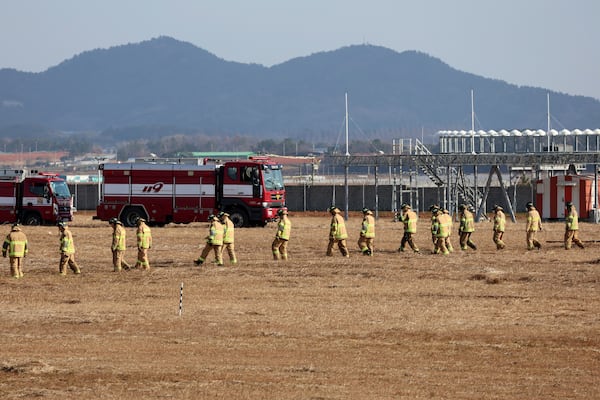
[
  {"x": 466, "y": 227},
  {"x": 440, "y": 227},
  {"x": 144, "y": 242},
  {"x": 119, "y": 245},
  {"x": 449, "y": 246},
  {"x": 337, "y": 232},
  {"x": 499, "y": 227},
  {"x": 534, "y": 224},
  {"x": 15, "y": 245},
  {"x": 409, "y": 218},
  {"x": 67, "y": 250},
  {"x": 434, "y": 222},
  {"x": 214, "y": 241},
  {"x": 572, "y": 227},
  {"x": 228, "y": 237},
  {"x": 366, "y": 238},
  {"x": 282, "y": 236}
]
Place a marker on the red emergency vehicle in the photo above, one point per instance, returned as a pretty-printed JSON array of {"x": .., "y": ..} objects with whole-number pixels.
[
  {"x": 251, "y": 191},
  {"x": 34, "y": 198}
]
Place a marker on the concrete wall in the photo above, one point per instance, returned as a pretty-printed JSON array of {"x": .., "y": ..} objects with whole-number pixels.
[{"x": 318, "y": 198}]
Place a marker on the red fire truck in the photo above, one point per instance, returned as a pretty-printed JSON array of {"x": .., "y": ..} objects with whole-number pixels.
[
  {"x": 251, "y": 191},
  {"x": 34, "y": 198}
]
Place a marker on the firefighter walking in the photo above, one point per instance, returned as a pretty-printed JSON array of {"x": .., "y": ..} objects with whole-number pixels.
[
  {"x": 119, "y": 245},
  {"x": 144, "y": 242},
  {"x": 466, "y": 227},
  {"x": 448, "y": 218},
  {"x": 15, "y": 245},
  {"x": 440, "y": 227},
  {"x": 409, "y": 218},
  {"x": 214, "y": 241},
  {"x": 337, "y": 232},
  {"x": 534, "y": 224},
  {"x": 282, "y": 236},
  {"x": 499, "y": 227},
  {"x": 366, "y": 237},
  {"x": 67, "y": 250},
  {"x": 228, "y": 237},
  {"x": 434, "y": 222},
  {"x": 572, "y": 227}
]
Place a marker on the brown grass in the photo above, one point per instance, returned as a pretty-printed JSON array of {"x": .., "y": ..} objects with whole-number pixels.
[{"x": 473, "y": 325}]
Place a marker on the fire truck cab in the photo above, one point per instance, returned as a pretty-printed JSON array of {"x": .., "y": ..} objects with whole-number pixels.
[
  {"x": 251, "y": 191},
  {"x": 34, "y": 198}
]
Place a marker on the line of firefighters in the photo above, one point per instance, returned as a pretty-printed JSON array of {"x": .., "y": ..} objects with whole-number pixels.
[
  {"x": 221, "y": 236},
  {"x": 441, "y": 229},
  {"x": 15, "y": 246}
]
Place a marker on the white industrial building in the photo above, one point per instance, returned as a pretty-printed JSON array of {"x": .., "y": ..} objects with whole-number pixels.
[{"x": 518, "y": 141}]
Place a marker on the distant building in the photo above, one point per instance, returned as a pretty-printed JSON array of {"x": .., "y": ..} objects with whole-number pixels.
[
  {"x": 218, "y": 155},
  {"x": 519, "y": 141}
]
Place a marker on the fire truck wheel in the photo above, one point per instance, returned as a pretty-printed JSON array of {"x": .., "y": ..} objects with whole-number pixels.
[
  {"x": 32, "y": 219},
  {"x": 131, "y": 215},
  {"x": 239, "y": 218}
]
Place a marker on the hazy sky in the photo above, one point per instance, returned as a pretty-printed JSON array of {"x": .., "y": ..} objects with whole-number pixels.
[{"x": 553, "y": 44}]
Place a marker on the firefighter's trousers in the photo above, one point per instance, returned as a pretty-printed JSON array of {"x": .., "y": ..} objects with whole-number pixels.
[
  {"x": 279, "y": 248},
  {"x": 16, "y": 267},
  {"x": 119, "y": 261},
  {"x": 572, "y": 237},
  {"x": 497, "y": 238},
  {"x": 218, "y": 250},
  {"x": 142, "y": 259},
  {"x": 341, "y": 243},
  {"x": 230, "y": 248},
  {"x": 67, "y": 260}
]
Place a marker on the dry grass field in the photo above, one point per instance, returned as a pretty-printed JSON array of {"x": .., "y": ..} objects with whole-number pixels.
[{"x": 482, "y": 324}]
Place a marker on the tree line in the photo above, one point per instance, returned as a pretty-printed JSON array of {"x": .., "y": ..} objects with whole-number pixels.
[{"x": 145, "y": 141}]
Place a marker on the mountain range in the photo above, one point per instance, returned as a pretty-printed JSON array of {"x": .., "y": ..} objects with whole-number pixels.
[{"x": 168, "y": 83}]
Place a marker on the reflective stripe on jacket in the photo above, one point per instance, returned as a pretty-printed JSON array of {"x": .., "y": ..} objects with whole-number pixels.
[
  {"x": 444, "y": 226},
  {"x": 435, "y": 223},
  {"x": 368, "y": 226},
  {"x": 228, "y": 231},
  {"x": 215, "y": 233},
  {"x": 572, "y": 220},
  {"x": 16, "y": 244},
  {"x": 534, "y": 222},
  {"x": 119, "y": 238},
  {"x": 410, "y": 219},
  {"x": 499, "y": 221},
  {"x": 144, "y": 236},
  {"x": 284, "y": 228},
  {"x": 66, "y": 242},
  {"x": 467, "y": 222},
  {"x": 338, "y": 228}
]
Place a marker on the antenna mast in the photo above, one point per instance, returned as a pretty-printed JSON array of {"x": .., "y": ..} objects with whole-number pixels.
[
  {"x": 548, "y": 114},
  {"x": 347, "y": 152},
  {"x": 472, "y": 124}
]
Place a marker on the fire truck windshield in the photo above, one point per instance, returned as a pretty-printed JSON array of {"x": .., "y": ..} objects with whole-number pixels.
[
  {"x": 273, "y": 178},
  {"x": 60, "y": 189}
]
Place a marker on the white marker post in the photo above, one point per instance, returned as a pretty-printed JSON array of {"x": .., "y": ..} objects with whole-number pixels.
[{"x": 181, "y": 299}]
